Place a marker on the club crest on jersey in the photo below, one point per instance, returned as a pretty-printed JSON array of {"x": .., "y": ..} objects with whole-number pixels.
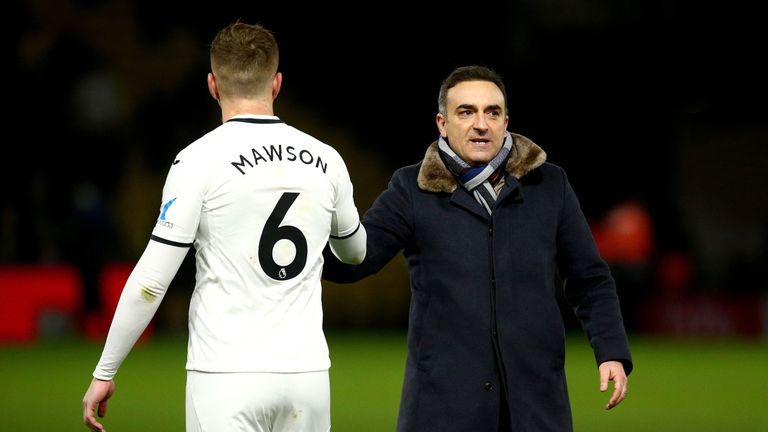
[
  {"x": 282, "y": 273},
  {"x": 163, "y": 210}
]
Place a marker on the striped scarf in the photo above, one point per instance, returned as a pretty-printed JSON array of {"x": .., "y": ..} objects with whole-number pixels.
[{"x": 476, "y": 179}]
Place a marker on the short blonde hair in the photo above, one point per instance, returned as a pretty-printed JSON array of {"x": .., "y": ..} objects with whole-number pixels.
[{"x": 244, "y": 59}]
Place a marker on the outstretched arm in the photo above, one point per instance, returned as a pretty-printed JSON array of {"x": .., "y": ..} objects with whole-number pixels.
[
  {"x": 351, "y": 248},
  {"x": 388, "y": 229},
  {"x": 347, "y": 236}
]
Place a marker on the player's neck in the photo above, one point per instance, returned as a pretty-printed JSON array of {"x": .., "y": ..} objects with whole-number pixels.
[{"x": 230, "y": 109}]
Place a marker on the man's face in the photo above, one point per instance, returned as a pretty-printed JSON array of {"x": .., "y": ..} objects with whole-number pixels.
[{"x": 475, "y": 122}]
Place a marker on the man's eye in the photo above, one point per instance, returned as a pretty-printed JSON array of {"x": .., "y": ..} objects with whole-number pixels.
[
  {"x": 465, "y": 113},
  {"x": 494, "y": 114}
]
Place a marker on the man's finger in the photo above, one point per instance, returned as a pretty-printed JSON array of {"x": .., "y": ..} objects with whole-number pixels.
[
  {"x": 90, "y": 421},
  {"x": 87, "y": 412},
  {"x": 604, "y": 379},
  {"x": 619, "y": 392},
  {"x": 103, "y": 408}
]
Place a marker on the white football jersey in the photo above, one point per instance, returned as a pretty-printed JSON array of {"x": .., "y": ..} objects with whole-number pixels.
[{"x": 258, "y": 199}]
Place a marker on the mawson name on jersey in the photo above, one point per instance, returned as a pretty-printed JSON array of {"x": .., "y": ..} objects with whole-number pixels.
[{"x": 275, "y": 153}]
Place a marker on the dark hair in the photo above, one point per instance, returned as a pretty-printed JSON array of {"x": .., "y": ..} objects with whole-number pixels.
[{"x": 469, "y": 73}]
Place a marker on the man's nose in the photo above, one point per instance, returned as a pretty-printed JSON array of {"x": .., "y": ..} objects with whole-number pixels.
[{"x": 480, "y": 123}]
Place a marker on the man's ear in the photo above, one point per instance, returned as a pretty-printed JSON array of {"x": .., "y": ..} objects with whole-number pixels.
[
  {"x": 440, "y": 120},
  {"x": 277, "y": 82},
  {"x": 213, "y": 89}
]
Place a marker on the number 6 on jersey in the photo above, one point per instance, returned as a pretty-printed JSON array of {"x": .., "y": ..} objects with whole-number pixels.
[{"x": 273, "y": 233}]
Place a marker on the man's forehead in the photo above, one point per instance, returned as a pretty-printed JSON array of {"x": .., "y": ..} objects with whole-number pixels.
[{"x": 476, "y": 93}]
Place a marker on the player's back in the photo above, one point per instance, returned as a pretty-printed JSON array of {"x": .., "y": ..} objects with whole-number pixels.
[{"x": 265, "y": 195}]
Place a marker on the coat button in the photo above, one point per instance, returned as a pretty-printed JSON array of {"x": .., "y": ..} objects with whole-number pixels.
[{"x": 488, "y": 386}]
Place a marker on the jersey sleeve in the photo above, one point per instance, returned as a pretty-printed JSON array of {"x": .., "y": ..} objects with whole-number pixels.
[
  {"x": 145, "y": 288},
  {"x": 141, "y": 296},
  {"x": 181, "y": 204},
  {"x": 345, "y": 220},
  {"x": 348, "y": 237}
]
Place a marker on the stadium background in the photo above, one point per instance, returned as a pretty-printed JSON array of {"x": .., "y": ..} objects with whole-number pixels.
[{"x": 657, "y": 112}]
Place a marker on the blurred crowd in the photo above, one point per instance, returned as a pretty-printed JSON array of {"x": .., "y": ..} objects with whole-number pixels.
[{"x": 105, "y": 93}]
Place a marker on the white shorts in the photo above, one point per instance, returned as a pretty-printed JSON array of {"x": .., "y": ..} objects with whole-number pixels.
[{"x": 258, "y": 402}]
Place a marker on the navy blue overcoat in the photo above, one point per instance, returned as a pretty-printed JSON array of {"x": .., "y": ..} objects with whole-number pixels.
[{"x": 484, "y": 316}]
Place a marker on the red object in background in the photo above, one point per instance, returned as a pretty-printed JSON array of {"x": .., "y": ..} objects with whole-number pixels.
[
  {"x": 707, "y": 315},
  {"x": 675, "y": 273},
  {"x": 111, "y": 282},
  {"x": 27, "y": 291},
  {"x": 626, "y": 235}
]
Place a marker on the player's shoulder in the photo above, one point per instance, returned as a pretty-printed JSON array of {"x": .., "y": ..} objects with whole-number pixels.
[
  {"x": 195, "y": 157},
  {"x": 203, "y": 147}
]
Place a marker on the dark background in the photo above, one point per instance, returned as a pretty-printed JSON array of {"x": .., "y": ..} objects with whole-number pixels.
[{"x": 658, "y": 103}]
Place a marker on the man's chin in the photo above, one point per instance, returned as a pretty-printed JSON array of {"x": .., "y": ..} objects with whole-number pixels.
[{"x": 479, "y": 160}]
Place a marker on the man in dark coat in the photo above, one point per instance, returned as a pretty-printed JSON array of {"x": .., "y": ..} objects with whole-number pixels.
[{"x": 485, "y": 225}]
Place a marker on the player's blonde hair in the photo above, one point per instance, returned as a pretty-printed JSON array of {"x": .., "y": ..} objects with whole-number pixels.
[{"x": 244, "y": 60}]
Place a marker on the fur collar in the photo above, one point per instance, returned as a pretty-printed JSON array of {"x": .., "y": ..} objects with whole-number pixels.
[{"x": 435, "y": 177}]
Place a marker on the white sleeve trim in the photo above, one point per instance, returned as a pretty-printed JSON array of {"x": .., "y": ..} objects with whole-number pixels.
[{"x": 141, "y": 296}]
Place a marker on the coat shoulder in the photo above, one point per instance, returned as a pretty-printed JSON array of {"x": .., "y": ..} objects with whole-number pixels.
[
  {"x": 408, "y": 173},
  {"x": 551, "y": 169},
  {"x": 546, "y": 173}
]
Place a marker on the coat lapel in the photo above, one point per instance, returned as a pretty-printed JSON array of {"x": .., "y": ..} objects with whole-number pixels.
[
  {"x": 512, "y": 190},
  {"x": 462, "y": 198}
]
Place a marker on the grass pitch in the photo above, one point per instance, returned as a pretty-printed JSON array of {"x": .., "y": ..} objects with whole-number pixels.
[{"x": 678, "y": 385}]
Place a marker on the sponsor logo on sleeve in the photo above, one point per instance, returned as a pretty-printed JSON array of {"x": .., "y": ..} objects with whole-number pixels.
[{"x": 163, "y": 212}]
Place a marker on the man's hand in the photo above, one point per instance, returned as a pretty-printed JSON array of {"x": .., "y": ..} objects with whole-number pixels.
[
  {"x": 613, "y": 371},
  {"x": 96, "y": 399}
]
